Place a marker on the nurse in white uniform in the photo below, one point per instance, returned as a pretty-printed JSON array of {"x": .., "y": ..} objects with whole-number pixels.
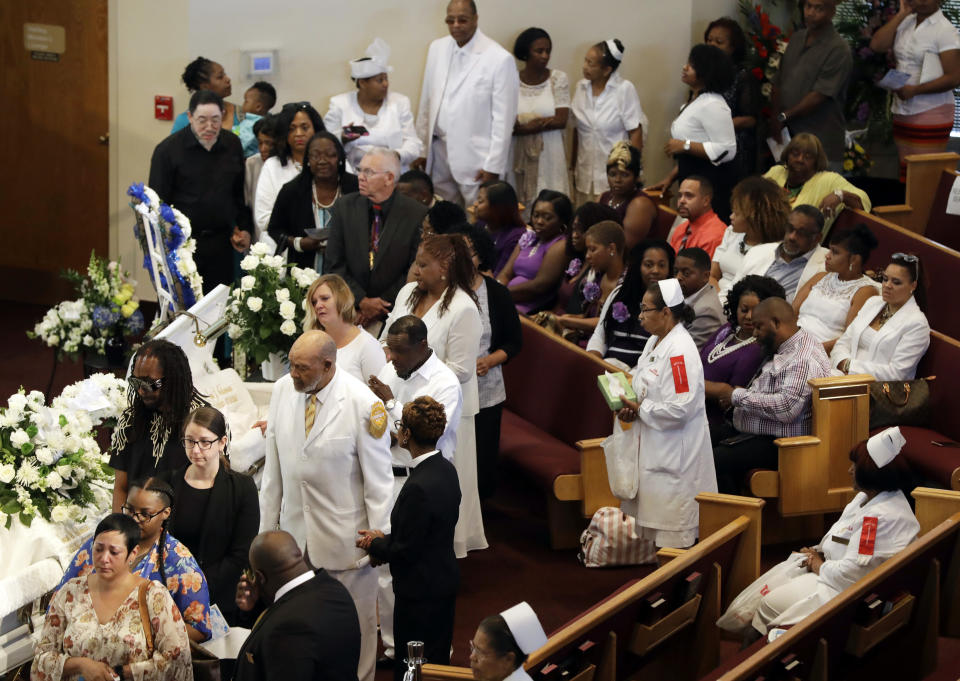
[
  {"x": 370, "y": 116},
  {"x": 503, "y": 642},
  {"x": 875, "y": 526},
  {"x": 676, "y": 459}
]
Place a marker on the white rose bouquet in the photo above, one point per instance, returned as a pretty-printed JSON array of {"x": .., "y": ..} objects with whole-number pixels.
[
  {"x": 266, "y": 309},
  {"x": 50, "y": 463}
]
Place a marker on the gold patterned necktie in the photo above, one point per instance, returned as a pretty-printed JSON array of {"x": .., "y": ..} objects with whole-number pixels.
[{"x": 310, "y": 414}]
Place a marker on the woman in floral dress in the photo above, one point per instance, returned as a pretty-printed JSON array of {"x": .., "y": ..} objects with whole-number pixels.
[
  {"x": 93, "y": 629},
  {"x": 160, "y": 557}
]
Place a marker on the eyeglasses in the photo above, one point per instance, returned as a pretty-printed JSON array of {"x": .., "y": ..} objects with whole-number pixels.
[
  {"x": 299, "y": 106},
  {"x": 189, "y": 444},
  {"x": 398, "y": 424},
  {"x": 145, "y": 385},
  {"x": 140, "y": 516},
  {"x": 474, "y": 650},
  {"x": 369, "y": 172},
  {"x": 644, "y": 310}
]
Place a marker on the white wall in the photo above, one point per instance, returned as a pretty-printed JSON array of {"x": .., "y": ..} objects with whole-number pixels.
[{"x": 152, "y": 42}]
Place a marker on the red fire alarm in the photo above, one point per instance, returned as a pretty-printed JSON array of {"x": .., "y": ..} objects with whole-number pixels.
[{"x": 163, "y": 108}]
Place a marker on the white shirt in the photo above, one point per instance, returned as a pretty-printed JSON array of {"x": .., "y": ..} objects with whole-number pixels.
[
  {"x": 272, "y": 178},
  {"x": 457, "y": 60},
  {"x": 432, "y": 379},
  {"x": 391, "y": 127},
  {"x": 917, "y": 51},
  {"x": 362, "y": 357},
  {"x": 293, "y": 584},
  {"x": 423, "y": 457},
  {"x": 602, "y": 122},
  {"x": 728, "y": 257},
  {"x": 707, "y": 119}
]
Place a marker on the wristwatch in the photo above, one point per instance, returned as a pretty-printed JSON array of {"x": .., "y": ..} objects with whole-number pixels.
[
  {"x": 686, "y": 145},
  {"x": 390, "y": 404},
  {"x": 782, "y": 117}
]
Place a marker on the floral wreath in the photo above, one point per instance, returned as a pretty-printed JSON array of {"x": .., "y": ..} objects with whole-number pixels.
[{"x": 178, "y": 245}]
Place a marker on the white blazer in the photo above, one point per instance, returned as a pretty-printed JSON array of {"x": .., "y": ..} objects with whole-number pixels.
[
  {"x": 324, "y": 487},
  {"x": 394, "y": 128},
  {"x": 895, "y": 350},
  {"x": 759, "y": 258},
  {"x": 482, "y": 106},
  {"x": 676, "y": 458}
]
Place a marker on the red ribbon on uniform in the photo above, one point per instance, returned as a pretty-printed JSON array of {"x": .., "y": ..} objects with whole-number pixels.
[
  {"x": 868, "y": 536},
  {"x": 679, "y": 369}
]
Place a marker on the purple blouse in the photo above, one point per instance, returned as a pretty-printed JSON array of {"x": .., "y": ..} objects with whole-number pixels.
[
  {"x": 735, "y": 362},
  {"x": 525, "y": 268},
  {"x": 504, "y": 242}
]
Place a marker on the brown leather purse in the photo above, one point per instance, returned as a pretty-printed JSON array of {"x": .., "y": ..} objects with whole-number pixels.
[{"x": 899, "y": 403}]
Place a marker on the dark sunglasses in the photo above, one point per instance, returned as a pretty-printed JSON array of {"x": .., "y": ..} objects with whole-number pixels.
[
  {"x": 299, "y": 106},
  {"x": 145, "y": 385}
]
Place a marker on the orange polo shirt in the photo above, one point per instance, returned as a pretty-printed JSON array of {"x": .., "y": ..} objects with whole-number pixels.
[{"x": 706, "y": 232}]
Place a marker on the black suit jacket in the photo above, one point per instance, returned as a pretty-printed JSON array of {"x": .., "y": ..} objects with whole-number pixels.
[
  {"x": 230, "y": 523},
  {"x": 348, "y": 249},
  {"x": 293, "y": 212},
  {"x": 420, "y": 546},
  {"x": 311, "y": 634}
]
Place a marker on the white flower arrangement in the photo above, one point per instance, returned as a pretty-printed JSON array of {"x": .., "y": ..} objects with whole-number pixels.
[
  {"x": 50, "y": 463},
  {"x": 266, "y": 308},
  {"x": 102, "y": 396},
  {"x": 66, "y": 328}
]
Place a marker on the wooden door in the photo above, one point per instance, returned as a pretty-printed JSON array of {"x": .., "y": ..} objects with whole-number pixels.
[{"x": 54, "y": 177}]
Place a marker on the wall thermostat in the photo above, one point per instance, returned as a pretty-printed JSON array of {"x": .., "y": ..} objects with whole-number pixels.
[{"x": 261, "y": 63}]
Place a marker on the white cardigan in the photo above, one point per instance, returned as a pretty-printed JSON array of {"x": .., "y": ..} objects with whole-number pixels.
[{"x": 896, "y": 348}]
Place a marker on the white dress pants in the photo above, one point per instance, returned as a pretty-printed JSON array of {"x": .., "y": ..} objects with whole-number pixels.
[{"x": 362, "y": 585}]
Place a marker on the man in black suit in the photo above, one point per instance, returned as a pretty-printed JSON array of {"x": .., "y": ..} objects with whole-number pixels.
[
  {"x": 374, "y": 236},
  {"x": 310, "y": 630},
  {"x": 420, "y": 546}
]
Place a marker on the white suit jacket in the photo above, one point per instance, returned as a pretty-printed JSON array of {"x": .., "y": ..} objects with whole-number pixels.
[
  {"x": 394, "y": 127},
  {"x": 324, "y": 487},
  {"x": 482, "y": 106},
  {"x": 759, "y": 258},
  {"x": 895, "y": 351}
]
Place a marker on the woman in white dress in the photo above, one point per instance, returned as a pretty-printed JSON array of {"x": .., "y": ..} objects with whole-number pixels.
[
  {"x": 442, "y": 296},
  {"x": 890, "y": 334},
  {"x": 371, "y": 116},
  {"x": 606, "y": 110},
  {"x": 830, "y": 300},
  {"x": 296, "y": 124},
  {"x": 331, "y": 308},
  {"x": 875, "y": 526},
  {"x": 759, "y": 215},
  {"x": 539, "y": 160},
  {"x": 702, "y": 138},
  {"x": 676, "y": 458}
]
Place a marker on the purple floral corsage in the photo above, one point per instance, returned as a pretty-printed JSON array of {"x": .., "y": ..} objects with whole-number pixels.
[
  {"x": 527, "y": 240},
  {"x": 591, "y": 291},
  {"x": 573, "y": 269},
  {"x": 620, "y": 312}
]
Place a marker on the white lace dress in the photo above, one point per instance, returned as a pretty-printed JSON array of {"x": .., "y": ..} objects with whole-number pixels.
[
  {"x": 539, "y": 161},
  {"x": 824, "y": 312}
]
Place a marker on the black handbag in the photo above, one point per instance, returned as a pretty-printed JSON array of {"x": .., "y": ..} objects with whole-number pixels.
[{"x": 899, "y": 403}]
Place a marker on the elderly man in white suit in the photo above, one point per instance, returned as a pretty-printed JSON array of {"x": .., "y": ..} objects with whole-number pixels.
[
  {"x": 327, "y": 473},
  {"x": 468, "y": 105}
]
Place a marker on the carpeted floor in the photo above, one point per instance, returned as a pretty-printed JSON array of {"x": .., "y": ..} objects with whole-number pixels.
[{"x": 517, "y": 566}]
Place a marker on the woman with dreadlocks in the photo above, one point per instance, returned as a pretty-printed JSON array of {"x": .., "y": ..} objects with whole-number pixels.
[
  {"x": 160, "y": 557},
  {"x": 147, "y": 437}
]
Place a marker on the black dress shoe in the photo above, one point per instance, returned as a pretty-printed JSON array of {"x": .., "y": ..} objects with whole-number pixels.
[{"x": 385, "y": 662}]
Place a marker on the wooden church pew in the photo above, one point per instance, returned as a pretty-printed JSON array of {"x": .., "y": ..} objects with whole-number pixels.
[
  {"x": 619, "y": 637},
  {"x": 923, "y": 178}
]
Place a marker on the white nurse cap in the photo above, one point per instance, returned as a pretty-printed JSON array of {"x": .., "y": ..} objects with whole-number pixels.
[
  {"x": 670, "y": 290},
  {"x": 525, "y": 627},
  {"x": 885, "y": 445}
]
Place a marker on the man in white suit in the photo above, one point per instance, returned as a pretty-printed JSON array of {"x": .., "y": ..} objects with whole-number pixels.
[
  {"x": 327, "y": 473},
  {"x": 468, "y": 105}
]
